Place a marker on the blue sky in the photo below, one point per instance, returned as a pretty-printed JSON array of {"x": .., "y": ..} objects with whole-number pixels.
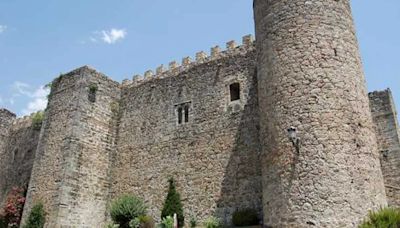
[{"x": 43, "y": 38}]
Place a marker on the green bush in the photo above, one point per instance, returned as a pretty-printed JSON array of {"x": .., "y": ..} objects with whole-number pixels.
[
  {"x": 193, "y": 222},
  {"x": 37, "y": 217},
  {"x": 125, "y": 209},
  {"x": 3, "y": 223},
  {"x": 173, "y": 204},
  {"x": 384, "y": 218},
  {"x": 112, "y": 225},
  {"x": 167, "y": 222},
  {"x": 146, "y": 221},
  {"x": 212, "y": 222},
  {"x": 37, "y": 120},
  {"x": 246, "y": 217},
  {"x": 134, "y": 223},
  {"x": 93, "y": 88}
]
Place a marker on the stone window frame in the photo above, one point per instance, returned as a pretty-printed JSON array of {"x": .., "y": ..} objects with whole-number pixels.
[
  {"x": 182, "y": 113},
  {"x": 235, "y": 91},
  {"x": 234, "y": 106}
]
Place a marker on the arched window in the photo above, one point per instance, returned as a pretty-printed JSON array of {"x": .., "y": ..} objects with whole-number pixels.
[{"x": 182, "y": 112}]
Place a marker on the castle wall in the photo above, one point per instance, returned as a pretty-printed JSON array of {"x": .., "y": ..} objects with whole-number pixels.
[
  {"x": 70, "y": 174},
  {"x": 387, "y": 131},
  {"x": 18, "y": 155},
  {"x": 310, "y": 77},
  {"x": 6, "y": 120},
  {"x": 214, "y": 157}
]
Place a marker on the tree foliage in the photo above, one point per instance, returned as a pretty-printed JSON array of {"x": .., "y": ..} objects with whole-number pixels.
[
  {"x": 36, "y": 218},
  {"x": 173, "y": 204}
]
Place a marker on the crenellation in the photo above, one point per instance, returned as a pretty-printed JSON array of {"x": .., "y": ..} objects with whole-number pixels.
[
  {"x": 126, "y": 82},
  {"x": 24, "y": 121},
  {"x": 160, "y": 69},
  {"x": 215, "y": 52},
  {"x": 231, "y": 45},
  {"x": 186, "y": 61},
  {"x": 201, "y": 57},
  {"x": 148, "y": 75},
  {"x": 137, "y": 78},
  {"x": 173, "y": 66},
  {"x": 248, "y": 40}
]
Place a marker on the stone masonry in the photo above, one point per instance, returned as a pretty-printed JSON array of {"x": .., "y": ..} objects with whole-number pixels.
[
  {"x": 387, "y": 132},
  {"x": 218, "y": 125},
  {"x": 17, "y": 155},
  {"x": 310, "y": 77}
]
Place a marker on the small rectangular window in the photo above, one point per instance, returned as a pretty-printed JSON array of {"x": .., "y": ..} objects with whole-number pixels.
[
  {"x": 180, "y": 115},
  {"x": 235, "y": 91},
  {"x": 186, "y": 113}
]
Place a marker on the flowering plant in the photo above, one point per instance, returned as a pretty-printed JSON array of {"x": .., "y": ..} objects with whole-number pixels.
[{"x": 12, "y": 211}]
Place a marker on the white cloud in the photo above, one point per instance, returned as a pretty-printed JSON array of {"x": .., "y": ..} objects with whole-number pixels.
[
  {"x": 37, "y": 97},
  {"x": 107, "y": 36},
  {"x": 35, "y": 105},
  {"x": 2, "y": 28},
  {"x": 113, "y": 35}
]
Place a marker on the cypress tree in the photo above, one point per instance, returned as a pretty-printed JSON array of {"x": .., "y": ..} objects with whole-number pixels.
[
  {"x": 36, "y": 218},
  {"x": 173, "y": 204}
]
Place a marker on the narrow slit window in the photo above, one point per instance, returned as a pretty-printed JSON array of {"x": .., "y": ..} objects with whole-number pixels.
[
  {"x": 186, "y": 113},
  {"x": 235, "y": 91},
  {"x": 180, "y": 110}
]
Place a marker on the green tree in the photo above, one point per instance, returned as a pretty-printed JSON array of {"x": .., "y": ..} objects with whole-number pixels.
[
  {"x": 173, "y": 204},
  {"x": 37, "y": 217}
]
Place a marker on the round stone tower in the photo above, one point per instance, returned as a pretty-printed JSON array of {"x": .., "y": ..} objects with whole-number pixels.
[{"x": 319, "y": 158}]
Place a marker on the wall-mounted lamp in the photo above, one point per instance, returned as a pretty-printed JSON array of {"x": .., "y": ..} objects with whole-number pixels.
[
  {"x": 385, "y": 153},
  {"x": 292, "y": 134}
]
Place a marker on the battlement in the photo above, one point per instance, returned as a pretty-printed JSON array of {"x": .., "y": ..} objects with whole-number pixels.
[
  {"x": 6, "y": 112},
  {"x": 174, "y": 68},
  {"x": 24, "y": 121}
]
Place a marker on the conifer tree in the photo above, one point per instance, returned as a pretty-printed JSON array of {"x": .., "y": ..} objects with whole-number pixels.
[
  {"x": 36, "y": 218},
  {"x": 173, "y": 204}
]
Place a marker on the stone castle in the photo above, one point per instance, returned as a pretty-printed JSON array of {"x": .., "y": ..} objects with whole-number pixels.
[{"x": 282, "y": 125}]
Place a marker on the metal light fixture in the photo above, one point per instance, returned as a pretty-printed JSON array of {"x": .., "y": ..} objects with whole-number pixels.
[{"x": 292, "y": 134}]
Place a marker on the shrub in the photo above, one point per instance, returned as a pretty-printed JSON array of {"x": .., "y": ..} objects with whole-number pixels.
[
  {"x": 92, "y": 92},
  {"x": 125, "y": 209},
  {"x": 212, "y": 222},
  {"x": 134, "y": 223},
  {"x": 36, "y": 218},
  {"x": 3, "y": 223},
  {"x": 93, "y": 88},
  {"x": 12, "y": 211},
  {"x": 146, "y": 221},
  {"x": 386, "y": 217},
  {"x": 112, "y": 225},
  {"x": 193, "y": 222},
  {"x": 37, "y": 120},
  {"x": 167, "y": 222},
  {"x": 246, "y": 217},
  {"x": 173, "y": 204}
]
